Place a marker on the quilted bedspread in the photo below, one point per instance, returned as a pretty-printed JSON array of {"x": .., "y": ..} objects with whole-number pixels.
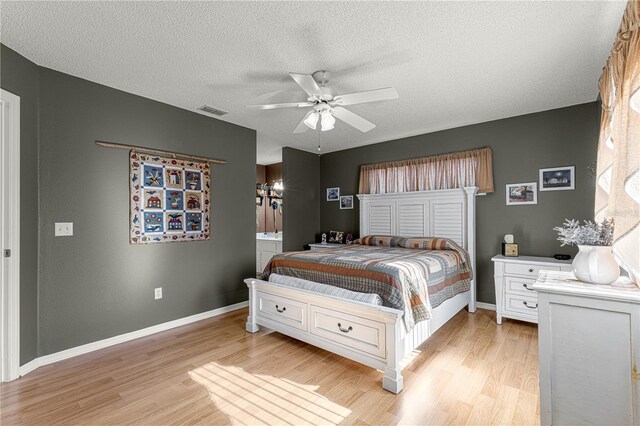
[{"x": 414, "y": 280}]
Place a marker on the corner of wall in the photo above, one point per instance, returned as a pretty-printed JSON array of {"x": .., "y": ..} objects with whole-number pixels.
[{"x": 301, "y": 177}]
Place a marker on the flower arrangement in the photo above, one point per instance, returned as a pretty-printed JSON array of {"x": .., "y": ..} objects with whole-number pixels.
[{"x": 590, "y": 234}]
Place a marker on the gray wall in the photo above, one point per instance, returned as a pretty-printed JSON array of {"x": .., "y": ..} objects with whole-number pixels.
[
  {"x": 20, "y": 77},
  {"x": 521, "y": 145},
  {"x": 301, "y": 206},
  {"x": 96, "y": 285}
]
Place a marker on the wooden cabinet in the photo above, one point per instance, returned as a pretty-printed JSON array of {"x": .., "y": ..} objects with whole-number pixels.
[
  {"x": 514, "y": 278},
  {"x": 265, "y": 250},
  {"x": 589, "y": 344}
]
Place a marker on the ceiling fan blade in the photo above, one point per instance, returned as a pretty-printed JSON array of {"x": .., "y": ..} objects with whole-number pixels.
[
  {"x": 303, "y": 127},
  {"x": 307, "y": 83},
  {"x": 368, "y": 96},
  {"x": 352, "y": 119},
  {"x": 277, "y": 106}
]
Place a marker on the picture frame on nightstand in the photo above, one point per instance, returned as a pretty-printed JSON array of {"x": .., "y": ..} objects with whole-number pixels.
[{"x": 510, "y": 249}]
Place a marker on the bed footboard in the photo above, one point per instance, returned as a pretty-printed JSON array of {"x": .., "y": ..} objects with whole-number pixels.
[{"x": 368, "y": 334}]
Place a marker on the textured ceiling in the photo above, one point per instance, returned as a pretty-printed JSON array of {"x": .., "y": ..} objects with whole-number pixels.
[{"x": 453, "y": 63}]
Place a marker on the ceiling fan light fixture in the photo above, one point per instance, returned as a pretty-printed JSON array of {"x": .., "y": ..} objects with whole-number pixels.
[
  {"x": 312, "y": 120},
  {"x": 327, "y": 120}
]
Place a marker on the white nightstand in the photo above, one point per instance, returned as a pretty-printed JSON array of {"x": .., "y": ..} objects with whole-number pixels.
[
  {"x": 319, "y": 246},
  {"x": 514, "y": 278}
]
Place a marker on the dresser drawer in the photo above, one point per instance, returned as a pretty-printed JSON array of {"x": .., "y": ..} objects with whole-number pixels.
[
  {"x": 348, "y": 330},
  {"x": 527, "y": 270},
  {"x": 517, "y": 285},
  {"x": 283, "y": 310},
  {"x": 521, "y": 304}
]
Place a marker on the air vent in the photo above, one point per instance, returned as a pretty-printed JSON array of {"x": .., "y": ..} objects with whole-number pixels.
[{"x": 213, "y": 111}]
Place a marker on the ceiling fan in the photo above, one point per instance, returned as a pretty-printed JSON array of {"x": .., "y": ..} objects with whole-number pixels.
[{"x": 327, "y": 105}]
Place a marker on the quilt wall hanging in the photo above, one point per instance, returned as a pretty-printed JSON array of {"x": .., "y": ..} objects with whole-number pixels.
[{"x": 170, "y": 199}]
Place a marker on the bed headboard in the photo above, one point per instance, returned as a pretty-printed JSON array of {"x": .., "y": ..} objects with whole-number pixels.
[{"x": 447, "y": 213}]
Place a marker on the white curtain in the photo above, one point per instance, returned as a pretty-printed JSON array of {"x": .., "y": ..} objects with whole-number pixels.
[
  {"x": 618, "y": 185},
  {"x": 446, "y": 171}
]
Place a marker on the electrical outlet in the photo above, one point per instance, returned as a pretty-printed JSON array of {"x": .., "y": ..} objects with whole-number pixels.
[
  {"x": 157, "y": 293},
  {"x": 64, "y": 229}
]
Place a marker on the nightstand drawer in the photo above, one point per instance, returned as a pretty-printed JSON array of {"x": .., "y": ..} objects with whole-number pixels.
[
  {"x": 517, "y": 303},
  {"x": 522, "y": 286},
  {"x": 527, "y": 270}
]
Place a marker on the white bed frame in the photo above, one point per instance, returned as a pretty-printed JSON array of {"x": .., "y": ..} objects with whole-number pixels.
[{"x": 369, "y": 334}]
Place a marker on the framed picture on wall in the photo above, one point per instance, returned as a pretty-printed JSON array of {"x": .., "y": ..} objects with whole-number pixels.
[
  {"x": 558, "y": 179},
  {"x": 333, "y": 194},
  {"x": 522, "y": 193},
  {"x": 346, "y": 202}
]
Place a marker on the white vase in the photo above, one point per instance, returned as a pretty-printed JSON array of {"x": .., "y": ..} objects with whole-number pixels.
[{"x": 595, "y": 265}]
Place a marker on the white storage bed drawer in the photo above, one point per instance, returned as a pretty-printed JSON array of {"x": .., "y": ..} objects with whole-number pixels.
[
  {"x": 348, "y": 330},
  {"x": 283, "y": 310}
]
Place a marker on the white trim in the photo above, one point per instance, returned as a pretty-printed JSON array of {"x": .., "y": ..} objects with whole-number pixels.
[
  {"x": 10, "y": 236},
  {"x": 469, "y": 224},
  {"x": 101, "y": 344},
  {"x": 487, "y": 306}
]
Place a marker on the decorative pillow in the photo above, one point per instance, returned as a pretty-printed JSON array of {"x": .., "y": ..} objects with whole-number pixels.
[
  {"x": 375, "y": 240},
  {"x": 336, "y": 237},
  {"x": 423, "y": 243}
]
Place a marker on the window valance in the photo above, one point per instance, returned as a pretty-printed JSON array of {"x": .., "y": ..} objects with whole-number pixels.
[{"x": 445, "y": 171}]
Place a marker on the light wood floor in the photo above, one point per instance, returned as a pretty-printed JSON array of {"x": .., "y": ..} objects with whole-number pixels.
[{"x": 471, "y": 371}]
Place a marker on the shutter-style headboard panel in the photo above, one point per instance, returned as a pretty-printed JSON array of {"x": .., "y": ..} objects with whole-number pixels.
[
  {"x": 447, "y": 213},
  {"x": 447, "y": 221},
  {"x": 380, "y": 219}
]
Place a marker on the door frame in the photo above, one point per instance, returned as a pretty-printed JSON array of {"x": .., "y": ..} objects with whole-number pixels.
[{"x": 10, "y": 235}]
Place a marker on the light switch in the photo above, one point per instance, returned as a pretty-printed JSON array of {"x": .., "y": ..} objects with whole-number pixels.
[{"x": 64, "y": 229}]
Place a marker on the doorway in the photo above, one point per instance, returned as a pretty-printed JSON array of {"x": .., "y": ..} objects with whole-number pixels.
[{"x": 10, "y": 235}]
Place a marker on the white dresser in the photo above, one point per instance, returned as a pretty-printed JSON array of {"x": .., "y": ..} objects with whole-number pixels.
[
  {"x": 265, "y": 250},
  {"x": 514, "y": 278},
  {"x": 589, "y": 345}
]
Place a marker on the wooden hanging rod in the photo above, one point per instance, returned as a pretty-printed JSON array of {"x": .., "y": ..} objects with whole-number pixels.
[{"x": 158, "y": 151}]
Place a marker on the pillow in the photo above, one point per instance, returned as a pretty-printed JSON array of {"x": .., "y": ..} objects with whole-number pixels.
[
  {"x": 375, "y": 240},
  {"x": 423, "y": 243}
]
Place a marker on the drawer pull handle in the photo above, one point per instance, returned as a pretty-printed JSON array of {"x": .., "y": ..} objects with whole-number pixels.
[
  {"x": 284, "y": 308},
  {"x": 344, "y": 330},
  {"x": 530, "y": 269},
  {"x": 527, "y": 287},
  {"x": 530, "y": 307}
]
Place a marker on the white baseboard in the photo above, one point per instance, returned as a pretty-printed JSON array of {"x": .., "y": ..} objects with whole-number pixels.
[
  {"x": 487, "y": 306},
  {"x": 100, "y": 344}
]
